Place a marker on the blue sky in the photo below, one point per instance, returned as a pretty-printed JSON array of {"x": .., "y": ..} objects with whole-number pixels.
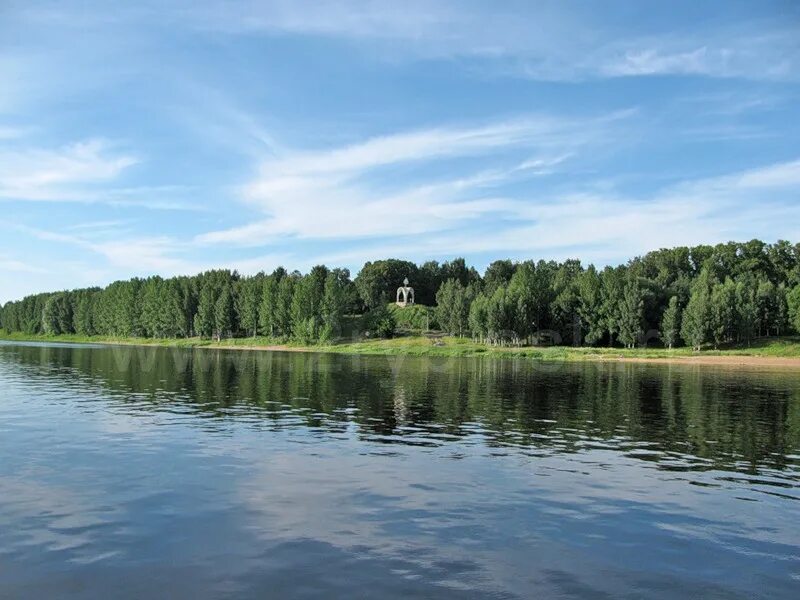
[{"x": 170, "y": 137}]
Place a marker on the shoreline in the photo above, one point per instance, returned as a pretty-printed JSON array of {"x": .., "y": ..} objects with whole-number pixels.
[{"x": 459, "y": 348}]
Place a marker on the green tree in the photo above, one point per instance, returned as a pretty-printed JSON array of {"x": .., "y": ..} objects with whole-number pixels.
[
  {"x": 334, "y": 303},
  {"x": 589, "y": 305},
  {"x": 57, "y": 315},
  {"x": 267, "y": 321},
  {"x": 631, "y": 312},
  {"x": 306, "y": 308},
  {"x": 151, "y": 306},
  {"x": 478, "y": 317},
  {"x": 223, "y": 314},
  {"x": 452, "y": 308},
  {"x": 83, "y": 315},
  {"x": 204, "y": 319},
  {"x": 248, "y": 295},
  {"x": 746, "y": 308},
  {"x": 612, "y": 290},
  {"x": 723, "y": 312},
  {"x": 377, "y": 281},
  {"x": 379, "y": 322},
  {"x": 170, "y": 321},
  {"x": 283, "y": 307},
  {"x": 498, "y": 274},
  {"x": 671, "y": 323},
  {"x": 500, "y": 318},
  {"x": 564, "y": 307},
  {"x": 793, "y": 301},
  {"x": 696, "y": 322}
]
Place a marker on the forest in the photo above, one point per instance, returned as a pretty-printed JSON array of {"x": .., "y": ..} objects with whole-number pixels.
[{"x": 701, "y": 296}]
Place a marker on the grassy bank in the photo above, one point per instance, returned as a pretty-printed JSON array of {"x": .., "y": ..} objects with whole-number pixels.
[{"x": 779, "y": 348}]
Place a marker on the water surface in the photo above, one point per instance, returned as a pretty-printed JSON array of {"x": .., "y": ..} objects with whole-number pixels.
[{"x": 151, "y": 472}]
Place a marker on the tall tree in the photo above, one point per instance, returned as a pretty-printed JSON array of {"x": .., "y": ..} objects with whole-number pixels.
[
  {"x": 452, "y": 308},
  {"x": 223, "y": 314},
  {"x": 377, "y": 281},
  {"x": 204, "y": 320},
  {"x": 793, "y": 301},
  {"x": 589, "y": 305},
  {"x": 612, "y": 289},
  {"x": 57, "y": 315},
  {"x": 723, "y": 312},
  {"x": 248, "y": 295},
  {"x": 334, "y": 303},
  {"x": 696, "y": 322},
  {"x": 631, "y": 313},
  {"x": 564, "y": 307},
  {"x": 267, "y": 315},
  {"x": 498, "y": 273},
  {"x": 478, "y": 317},
  {"x": 671, "y": 323}
]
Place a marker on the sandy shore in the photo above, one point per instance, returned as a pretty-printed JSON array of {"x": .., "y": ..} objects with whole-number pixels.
[
  {"x": 707, "y": 360},
  {"x": 715, "y": 360},
  {"x": 711, "y": 360}
]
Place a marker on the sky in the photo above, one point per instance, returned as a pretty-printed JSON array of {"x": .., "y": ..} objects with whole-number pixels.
[{"x": 169, "y": 137}]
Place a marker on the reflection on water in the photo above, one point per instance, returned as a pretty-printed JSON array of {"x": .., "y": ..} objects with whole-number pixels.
[{"x": 200, "y": 473}]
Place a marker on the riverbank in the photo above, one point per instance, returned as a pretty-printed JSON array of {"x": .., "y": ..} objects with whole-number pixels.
[{"x": 772, "y": 352}]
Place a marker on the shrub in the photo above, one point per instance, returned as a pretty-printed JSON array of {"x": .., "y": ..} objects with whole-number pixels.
[{"x": 415, "y": 317}]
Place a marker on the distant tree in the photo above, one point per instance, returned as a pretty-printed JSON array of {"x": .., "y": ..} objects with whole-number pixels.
[
  {"x": 204, "y": 318},
  {"x": 531, "y": 291},
  {"x": 500, "y": 318},
  {"x": 187, "y": 291},
  {"x": 83, "y": 314},
  {"x": 306, "y": 308},
  {"x": 283, "y": 307},
  {"x": 334, "y": 303},
  {"x": 729, "y": 292},
  {"x": 171, "y": 321},
  {"x": 589, "y": 305},
  {"x": 671, "y": 323},
  {"x": 223, "y": 314},
  {"x": 498, "y": 274},
  {"x": 268, "y": 305},
  {"x": 377, "y": 281},
  {"x": 696, "y": 322},
  {"x": 631, "y": 313},
  {"x": 564, "y": 306},
  {"x": 120, "y": 309},
  {"x": 723, "y": 312},
  {"x": 248, "y": 295},
  {"x": 793, "y": 301},
  {"x": 612, "y": 290},
  {"x": 57, "y": 315},
  {"x": 452, "y": 307},
  {"x": 457, "y": 269},
  {"x": 151, "y": 306},
  {"x": 379, "y": 322},
  {"x": 478, "y": 317}
]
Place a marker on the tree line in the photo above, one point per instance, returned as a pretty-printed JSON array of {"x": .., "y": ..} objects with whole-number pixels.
[{"x": 699, "y": 295}]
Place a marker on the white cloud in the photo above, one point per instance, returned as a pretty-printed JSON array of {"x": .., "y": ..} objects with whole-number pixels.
[
  {"x": 17, "y": 266},
  {"x": 603, "y": 227},
  {"x": 334, "y": 193},
  {"x": 9, "y": 133},
  {"x": 655, "y": 62},
  {"x": 63, "y": 174},
  {"x": 544, "y": 41},
  {"x": 755, "y": 53},
  {"x": 609, "y": 227},
  {"x": 142, "y": 256}
]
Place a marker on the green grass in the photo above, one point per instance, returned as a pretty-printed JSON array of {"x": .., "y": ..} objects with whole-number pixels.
[
  {"x": 414, "y": 345},
  {"x": 448, "y": 346}
]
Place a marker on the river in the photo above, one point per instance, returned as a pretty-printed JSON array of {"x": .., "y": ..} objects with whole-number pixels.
[{"x": 133, "y": 472}]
